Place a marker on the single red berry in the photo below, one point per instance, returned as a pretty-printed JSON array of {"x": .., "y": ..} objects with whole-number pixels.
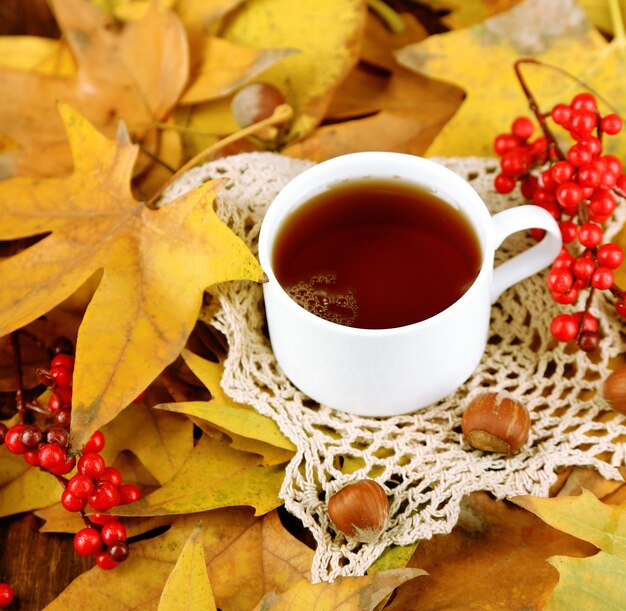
[
  {"x": 543, "y": 196},
  {"x": 583, "y": 122},
  {"x": 92, "y": 465},
  {"x": 562, "y": 171},
  {"x": 539, "y": 149},
  {"x": 104, "y": 561},
  {"x": 64, "y": 394},
  {"x": 61, "y": 376},
  {"x": 129, "y": 493},
  {"x": 560, "y": 281},
  {"x": 613, "y": 164},
  {"x": 523, "y": 128},
  {"x": 584, "y": 101},
  {"x": 564, "y": 260},
  {"x": 537, "y": 234},
  {"x": 31, "y": 436},
  {"x": 113, "y": 531},
  {"x": 602, "y": 279},
  {"x": 112, "y": 475},
  {"x": 566, "y": 298},
  {"x": 51, "y": 456},
  {"x": 65, "y": 467},
  {"x": 569, "y": 194},
  {"x": 591, "y": 144},
  {"x": 13, "y": 439},
  {"x": 564, "y": 327},
  {"x": 118, "y": 551},
  {"x": 57, "y": 435},
  {"x": 528, "y": 186},
  {"x": 610, "y": 255},
  {"x": 579, "y": 156},
  {"x": 590, "y": 235},
  {"x": 504, "y": 143},
  {"x": 515, "y": 163},
  {"x": 104, "y": 496},
  {"x": 95, "y": 443},
  {"x": 589, "y": 176},
  {"x": 6, "y": 594},
  {"x": 71, "y": 502},
  {"x": 53, "y": 403},
  {"x": 561, "y": 114},
  {"x": 103, "y": 518},
  {"x": 588, "y": 341},
  {"x": 611, "y": 124},
  {"x": 569, "y": 231},
  {"x": 602, "y": 204},
  {"x": 591, "y": 322},
  {"x": 63, "y": 417},
  {"x": 620, "y": 307},
  {"x": 87, "y": 541},
  {"x": 80, "y": 486},
  {"x": 621, "y": 183},
  {"x": 583, "y": 267},
  {"x": 503, "y": 184},
  {"x": 31, "y": 457},
  {"x": 62, "y": 345},
  {"x": 552, "y": 208},
  {"x": 62, "y": 360}
]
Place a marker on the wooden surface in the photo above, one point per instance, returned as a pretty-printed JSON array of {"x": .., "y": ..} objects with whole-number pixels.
[{"x": 37, "y": 566}]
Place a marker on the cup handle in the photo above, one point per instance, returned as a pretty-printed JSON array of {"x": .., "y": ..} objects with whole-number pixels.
[{"x": 532, "y": 260}]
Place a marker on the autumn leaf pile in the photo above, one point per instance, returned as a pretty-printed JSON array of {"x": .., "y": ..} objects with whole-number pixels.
[{"x": 95, "y": 122}]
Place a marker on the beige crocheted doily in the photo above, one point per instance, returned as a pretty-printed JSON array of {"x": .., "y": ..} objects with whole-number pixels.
[{"x": 420, "y": 459}]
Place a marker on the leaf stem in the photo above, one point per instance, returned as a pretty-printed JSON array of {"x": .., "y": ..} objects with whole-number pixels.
[
  {"x": 19, "y": 377},
  {"x": 389, "y": 16},
  {"x": 619, "y": 34}
]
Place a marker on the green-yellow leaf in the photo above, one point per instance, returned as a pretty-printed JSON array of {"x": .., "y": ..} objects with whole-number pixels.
[
  {"x": 344, "y": 594},
  {"x": 326, "y": 32},
  {"x": 589, "y": 584},
  {"x": 161, "y": 440},
  {"x": 206, "y": 415},
  {"x": 157, "y": 264},
  {"x": 584, "y": 517},
  {"x": 214, "y": 476},
  {"x": 228, "y": 414},
  {"x": 32, "y": 489},
  {"x": 480, "y": 60},
  {"x": 188, "y": 585},
  {"x": 394, "y": 557}
]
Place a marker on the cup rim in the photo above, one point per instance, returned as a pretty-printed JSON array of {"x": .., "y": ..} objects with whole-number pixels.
[{"x": 276, "y": 213}]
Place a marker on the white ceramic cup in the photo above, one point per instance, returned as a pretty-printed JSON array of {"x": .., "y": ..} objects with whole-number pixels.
[{"x": 385, "y": 372}]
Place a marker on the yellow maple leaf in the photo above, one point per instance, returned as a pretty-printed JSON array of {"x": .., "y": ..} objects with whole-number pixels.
[
  {"x": 136, "y": 72},
  {"x": 480, "y": 60},
  {"x": 157, "y": 264}
]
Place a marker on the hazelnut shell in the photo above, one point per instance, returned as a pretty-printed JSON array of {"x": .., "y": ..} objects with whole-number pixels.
[
  {"x": 493, "y": 423},
  {"x": 360, "y": 510},
  {"x": 614, "y": 390}
]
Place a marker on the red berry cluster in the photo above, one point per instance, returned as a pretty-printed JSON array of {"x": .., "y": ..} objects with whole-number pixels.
[
  {"x": 578, "y": 188},
  {"x": 95, "y": 485}
]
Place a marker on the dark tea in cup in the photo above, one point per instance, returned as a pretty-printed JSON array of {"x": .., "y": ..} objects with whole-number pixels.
[{"x": 376, "y": 253}]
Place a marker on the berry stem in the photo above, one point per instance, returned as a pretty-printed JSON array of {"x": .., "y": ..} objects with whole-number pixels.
[
  {"x": 19, "y": 377},
  {"x": 581, "y": 324},
  {"x": 534, "y": 106}
]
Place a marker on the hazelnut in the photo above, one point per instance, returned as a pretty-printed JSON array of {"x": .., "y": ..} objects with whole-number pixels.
[
  {"x": 493, "y": 423},
  {"x": 255, "y": 102},
  {"x": 614, "y": 390},
  {"x": 360, "y": 510}
]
